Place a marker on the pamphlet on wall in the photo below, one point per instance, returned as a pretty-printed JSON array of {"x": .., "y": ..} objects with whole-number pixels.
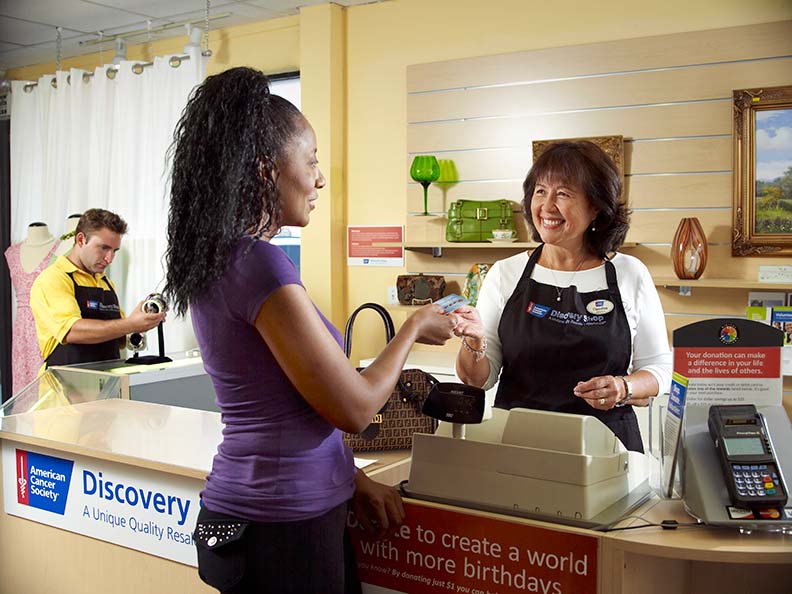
[
  {"x": 759, "y": 313},
  {"x": 766, "y": 298},
  {"x": 673, "y": 430},
  {"x": 781, "y": 318}
]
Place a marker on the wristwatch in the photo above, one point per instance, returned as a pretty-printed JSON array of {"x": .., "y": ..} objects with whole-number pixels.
[{"x": 628, "y": 391}]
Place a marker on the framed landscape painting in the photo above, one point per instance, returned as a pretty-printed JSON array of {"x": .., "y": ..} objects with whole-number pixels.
[
  {"x": 762, "y": 215},
  {"x": 612, "y": 145}
]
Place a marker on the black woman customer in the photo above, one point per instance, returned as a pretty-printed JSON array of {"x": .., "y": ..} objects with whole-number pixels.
[{"x": 275, "y": 503}]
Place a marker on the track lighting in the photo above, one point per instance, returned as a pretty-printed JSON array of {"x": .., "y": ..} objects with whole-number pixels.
[{"x": 121, "y": 49}]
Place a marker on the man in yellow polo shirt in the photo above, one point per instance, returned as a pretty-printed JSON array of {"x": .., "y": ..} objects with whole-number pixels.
[{"x": 78, "y": 317}]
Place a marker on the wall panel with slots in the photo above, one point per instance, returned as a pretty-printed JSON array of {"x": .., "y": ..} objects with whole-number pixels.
[{"x": 669, "y": 96}]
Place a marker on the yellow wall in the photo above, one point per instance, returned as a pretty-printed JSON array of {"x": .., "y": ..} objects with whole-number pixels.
[
  {"x": 379, "y": 42},
  {"x": 323, "y": 81},
  {"x": 383, "y": 39}
]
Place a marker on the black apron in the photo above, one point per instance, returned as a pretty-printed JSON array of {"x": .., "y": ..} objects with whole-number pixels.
[
  {"x": 95, "y": 304},
  {"x": 549, "y": 346}
]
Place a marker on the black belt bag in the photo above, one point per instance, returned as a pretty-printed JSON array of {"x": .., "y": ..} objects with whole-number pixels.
[{"x": 221, "y": 551}]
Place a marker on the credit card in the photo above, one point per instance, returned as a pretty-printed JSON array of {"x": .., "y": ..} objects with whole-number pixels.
[{"x": 450, "y": 302}]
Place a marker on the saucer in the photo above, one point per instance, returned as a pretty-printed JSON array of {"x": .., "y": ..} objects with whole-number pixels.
[{"x": 512, "y": 240}]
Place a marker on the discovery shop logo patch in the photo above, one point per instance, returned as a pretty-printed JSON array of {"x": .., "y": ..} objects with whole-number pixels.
[
  {"x": 99, "y": 306},
  {"x": 43, "y": 481}
]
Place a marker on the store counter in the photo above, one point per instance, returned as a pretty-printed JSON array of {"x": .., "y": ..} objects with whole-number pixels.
[
  {"x": 102, "y": 496},
  {"x": 79, "y": 480},
  {"x": 543, "y": 502},
  {"x": 454, "y": 549},
  {"x": 693, "y": 558}
]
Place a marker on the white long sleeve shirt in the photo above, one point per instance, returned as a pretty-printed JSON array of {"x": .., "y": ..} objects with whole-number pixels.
[{"x": 650, "y": 350}]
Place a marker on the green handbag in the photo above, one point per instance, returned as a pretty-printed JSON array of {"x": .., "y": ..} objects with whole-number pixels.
[{"x": 474, "y": 220}]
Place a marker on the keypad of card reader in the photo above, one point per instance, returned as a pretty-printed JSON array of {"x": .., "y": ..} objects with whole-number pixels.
[{"x": 756, "y": 480}]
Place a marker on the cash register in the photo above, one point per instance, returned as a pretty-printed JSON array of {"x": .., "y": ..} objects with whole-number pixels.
[{"x": 557, "y": 467}]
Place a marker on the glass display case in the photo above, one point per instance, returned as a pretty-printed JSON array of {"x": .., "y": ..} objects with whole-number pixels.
[
  {"x": 62, "y": 386},
  {"x": 181, "y": 382}
]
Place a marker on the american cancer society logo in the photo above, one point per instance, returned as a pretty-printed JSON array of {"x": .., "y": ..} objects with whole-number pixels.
[
  {"x": 537, "y": 310},
  {"x": 43, "y": 481}
]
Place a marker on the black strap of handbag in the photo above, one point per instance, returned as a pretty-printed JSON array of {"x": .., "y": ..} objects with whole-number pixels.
[{"x": 390, "y": 332}]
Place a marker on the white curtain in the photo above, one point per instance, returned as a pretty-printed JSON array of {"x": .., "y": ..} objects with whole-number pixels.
[{"x": 94, "y": 142}]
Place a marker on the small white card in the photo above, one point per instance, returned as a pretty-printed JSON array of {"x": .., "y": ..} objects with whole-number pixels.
[
  {"x": 363, "y": 462},
  {"x": 775, "y": 274}
]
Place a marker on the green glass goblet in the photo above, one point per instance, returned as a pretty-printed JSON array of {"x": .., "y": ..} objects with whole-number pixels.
[{"x": 425, "y": 169}]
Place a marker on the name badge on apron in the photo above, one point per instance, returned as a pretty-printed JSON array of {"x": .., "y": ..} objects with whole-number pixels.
[{"x": 599, "y": 307}]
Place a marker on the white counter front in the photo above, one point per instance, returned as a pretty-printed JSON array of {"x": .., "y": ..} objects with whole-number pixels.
[{"x": 92, "y": 489}]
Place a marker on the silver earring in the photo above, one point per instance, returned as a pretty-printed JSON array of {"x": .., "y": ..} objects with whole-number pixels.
[{"x": 593, "y": 228}]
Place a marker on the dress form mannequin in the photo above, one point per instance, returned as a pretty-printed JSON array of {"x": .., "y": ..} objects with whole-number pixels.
[
  {"x": 67, "y": 239},
  {"x": 36, "y": 246},
  {"x": 26, "y": 260}
]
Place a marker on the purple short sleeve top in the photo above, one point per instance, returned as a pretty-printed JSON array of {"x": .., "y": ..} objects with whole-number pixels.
[{"x": 279, "y": 459}]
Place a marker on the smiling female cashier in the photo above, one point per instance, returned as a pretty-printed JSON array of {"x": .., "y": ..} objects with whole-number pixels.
[{"x": 576, "y": 327}]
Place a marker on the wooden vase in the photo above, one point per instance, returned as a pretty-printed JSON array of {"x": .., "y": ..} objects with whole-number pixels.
[{"x": 689, "y": 249}]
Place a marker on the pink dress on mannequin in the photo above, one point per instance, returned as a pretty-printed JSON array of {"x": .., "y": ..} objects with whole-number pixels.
[{"x": 26, "y": 356}]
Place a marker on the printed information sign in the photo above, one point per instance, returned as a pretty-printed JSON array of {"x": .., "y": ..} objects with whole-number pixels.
[
  {"x": 729, "y": 361},
  {"x": 673, "y": 429},
  {"x": 145, "y": 510},
  {"x": 370, "y": 245},
  {"x": 440, "y": 550}
]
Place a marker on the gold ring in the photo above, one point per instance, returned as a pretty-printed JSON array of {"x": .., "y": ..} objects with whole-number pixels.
[{"x": 602, "y": 401}]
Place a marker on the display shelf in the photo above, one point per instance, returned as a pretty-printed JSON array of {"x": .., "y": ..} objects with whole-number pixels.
[
  {"x": 436, "y": 247},
  {"x": 398, "y": 307},
  {"x": 716, "y": 283},
  {"x": 429, "y": 245}
]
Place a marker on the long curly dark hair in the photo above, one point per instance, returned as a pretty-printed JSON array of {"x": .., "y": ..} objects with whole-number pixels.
[
  {"x": 225, "y": 146},
  {"x": 587, "y": 166}
]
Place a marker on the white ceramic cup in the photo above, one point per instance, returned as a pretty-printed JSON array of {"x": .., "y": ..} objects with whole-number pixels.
[{"x": 502, "y": 234}]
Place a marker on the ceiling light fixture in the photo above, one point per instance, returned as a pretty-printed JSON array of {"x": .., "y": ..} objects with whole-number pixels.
[
  {"x": 121, "y": 50},
  {"x": 195, "y": 34},
  {"x": 147, "y": 31}
]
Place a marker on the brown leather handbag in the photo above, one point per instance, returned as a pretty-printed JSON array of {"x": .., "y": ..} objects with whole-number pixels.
[
  {"x": 419, "y": 289},
  {"x": 393, "y": 426}
]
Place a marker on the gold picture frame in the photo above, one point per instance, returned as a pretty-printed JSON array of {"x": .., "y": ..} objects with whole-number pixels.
[
  {"x": 762, "y": 207},
  {"x": 612, "y": 145}
]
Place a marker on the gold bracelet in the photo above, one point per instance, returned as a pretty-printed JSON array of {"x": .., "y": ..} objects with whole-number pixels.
[{"x": 478, "y": 354}]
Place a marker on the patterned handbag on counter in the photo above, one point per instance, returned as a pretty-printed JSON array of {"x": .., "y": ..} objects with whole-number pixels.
[{"x": 393, "y": 426}]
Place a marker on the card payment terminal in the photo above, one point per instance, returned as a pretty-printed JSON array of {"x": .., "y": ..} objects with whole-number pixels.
[{"x": 750, "y": 468}]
